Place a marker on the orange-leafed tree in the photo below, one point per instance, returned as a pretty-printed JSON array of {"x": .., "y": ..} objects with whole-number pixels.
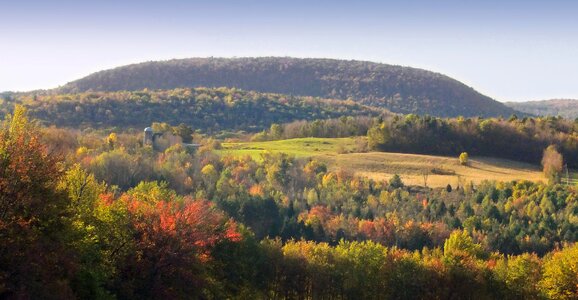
[
  {"x": 33, "y": 259},
  {"x": 173, "y": 241}
]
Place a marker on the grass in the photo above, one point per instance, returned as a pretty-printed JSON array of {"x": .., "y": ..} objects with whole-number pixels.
[
  {"x": 300, "y": 148},
  {"x": 336, "y": 153}
]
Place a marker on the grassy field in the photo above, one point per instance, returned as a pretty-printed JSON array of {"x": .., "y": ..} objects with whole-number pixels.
[
  {"x": 305, "y": 147},
  {"x": 441, "y": 170}
]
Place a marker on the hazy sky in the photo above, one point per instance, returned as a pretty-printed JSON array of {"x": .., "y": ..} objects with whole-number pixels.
[{"x": 509, "y": 50}]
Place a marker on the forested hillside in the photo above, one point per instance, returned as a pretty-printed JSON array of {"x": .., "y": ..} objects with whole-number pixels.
[
  {"x": 200, "y": 108},
  {"x": 567, "y": 108},
  {"x": 399, "y": 89}
]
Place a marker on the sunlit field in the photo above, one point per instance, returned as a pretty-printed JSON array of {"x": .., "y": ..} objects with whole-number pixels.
[{"x": 339, "y": 153}]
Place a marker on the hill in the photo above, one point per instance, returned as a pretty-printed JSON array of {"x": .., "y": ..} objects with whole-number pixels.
[
  {"x": 339, "y": 154},
  {"x": 567, "y": 108},
  {"x": 399, "y": 89},
  {"x": 200, "y": 108}
]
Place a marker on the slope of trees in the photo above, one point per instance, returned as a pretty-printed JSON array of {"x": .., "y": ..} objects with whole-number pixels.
[
  {"x": 567, "y": 108},
  {"x": 399, "y": 89},
  {"x": 201, "y": 108}
]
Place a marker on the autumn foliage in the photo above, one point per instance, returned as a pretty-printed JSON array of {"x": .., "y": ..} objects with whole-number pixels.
[
  {"x": 278, "y": 228},
  {"x": 553, "y": 162},
  {"x": 172, "y": 244},
  {"x": 33, "y": 258}
]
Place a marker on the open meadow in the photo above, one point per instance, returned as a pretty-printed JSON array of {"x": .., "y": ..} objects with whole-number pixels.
[{"x": 343, "y": 153}]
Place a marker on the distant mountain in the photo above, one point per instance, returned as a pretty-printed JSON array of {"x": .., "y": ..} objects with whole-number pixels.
[
  {"x": 567, "y": 108},
  {"x": 399, "y": 89},
  {"x": 207, "y": 109}
]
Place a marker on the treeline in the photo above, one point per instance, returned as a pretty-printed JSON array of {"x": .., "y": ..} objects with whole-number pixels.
[
  {"x": 207, "y": 110},
  {"x": 345, "y": 126},
  {"x": 399, "y": 89},
  {"x": 522, "y": 139},
  {"x": 459, "y": 270}
]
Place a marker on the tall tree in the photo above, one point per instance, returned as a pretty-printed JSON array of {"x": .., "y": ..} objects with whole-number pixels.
[
  {"x": 552, "y": 162},
  {"x": 33, "y": 260}
]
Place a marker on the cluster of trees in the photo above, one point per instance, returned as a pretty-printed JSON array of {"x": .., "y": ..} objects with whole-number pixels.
[
  {"x": 64, "y": 234},
  {"x": 208, "y": 110},
  {"x": 399, "y": 89},
  {"x": 113, "y": 219},
  {"x": 345, "y": 126},
  {"x": 518, "y": 139}
]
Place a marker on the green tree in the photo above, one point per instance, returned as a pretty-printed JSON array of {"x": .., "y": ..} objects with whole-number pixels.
[
  {"x": 83, "y": 190},
  {"x": 560, "y": 275},
  {"x": 521, "y": 275},
  {"x": 185, "y": 132},
  {"x": 91, "y": 234},
  {"x": 276, "y": 131},
  {"x": 395, "y": 182},
  {"x": 210, "y": 176},
  {"x": 460, "y": 243}
]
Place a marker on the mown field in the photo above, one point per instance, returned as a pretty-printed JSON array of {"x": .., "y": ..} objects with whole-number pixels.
[{"x": 345, "y": 153}]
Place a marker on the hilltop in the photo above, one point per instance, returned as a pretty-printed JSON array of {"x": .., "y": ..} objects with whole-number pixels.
[
  {"x": 399, "y": 89},
  {"x": 567, "y": 108}
]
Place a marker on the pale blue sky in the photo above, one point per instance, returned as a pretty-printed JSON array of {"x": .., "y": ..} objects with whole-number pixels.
[{"x": 509, "y": 50}]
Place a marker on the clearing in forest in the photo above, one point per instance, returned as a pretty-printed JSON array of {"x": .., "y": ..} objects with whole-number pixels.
[{"x": 347, "y": 154}]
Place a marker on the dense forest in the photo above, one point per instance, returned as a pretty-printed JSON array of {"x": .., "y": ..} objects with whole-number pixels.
[
  {"x": 567, "y": 108},
  {"x": 201, "y": 108},
  {"x": 396, "y": 88},
  {"x": 116, "y": 219}
]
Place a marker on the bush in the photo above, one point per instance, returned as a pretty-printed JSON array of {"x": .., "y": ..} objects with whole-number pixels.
[{"x": 464, "y": 158}]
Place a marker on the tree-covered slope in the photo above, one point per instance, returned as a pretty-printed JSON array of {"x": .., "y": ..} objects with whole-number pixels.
[
  {"x": 397, "y": 88},
  {"x": 567, "y": 108},
  {"x": 201, "y": 108}
]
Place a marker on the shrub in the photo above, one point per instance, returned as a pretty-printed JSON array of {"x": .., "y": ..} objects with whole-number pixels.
[{"x": 464, "y": 158}]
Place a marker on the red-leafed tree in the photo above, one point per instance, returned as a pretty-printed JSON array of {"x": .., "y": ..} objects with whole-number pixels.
[{"x": 172, "y": 247}]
